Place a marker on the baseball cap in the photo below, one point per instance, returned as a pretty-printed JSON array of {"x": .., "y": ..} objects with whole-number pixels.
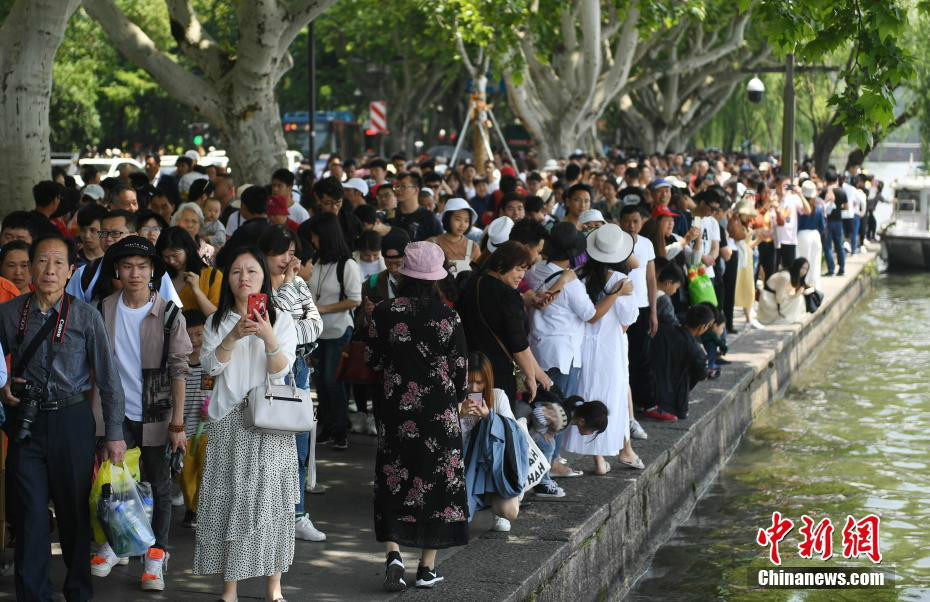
[
  {"x": 809, "y": 189},
  {"x": 357, "y": 184},
  {"x": 277, "y": 205},
  {"x": 659, "y": 183},
  {"x": 94, "y": 191}
]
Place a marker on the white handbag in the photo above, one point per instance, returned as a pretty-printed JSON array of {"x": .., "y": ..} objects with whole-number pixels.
[
  {"x": 279, "y": 409},
  {"x": 539, "y": 465}
]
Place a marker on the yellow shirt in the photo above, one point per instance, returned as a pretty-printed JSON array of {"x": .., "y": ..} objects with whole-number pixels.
[{"x": 212, "y": 290}]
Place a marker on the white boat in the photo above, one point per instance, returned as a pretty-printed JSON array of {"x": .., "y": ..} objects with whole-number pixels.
[{"x": 906, "y": 239}]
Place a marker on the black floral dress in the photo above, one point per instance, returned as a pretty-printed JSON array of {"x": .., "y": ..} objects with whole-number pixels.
[{"x": 420, "y": 498}]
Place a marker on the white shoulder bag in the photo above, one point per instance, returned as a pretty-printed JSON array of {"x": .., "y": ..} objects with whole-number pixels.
[{"x": 279, "y": 409}]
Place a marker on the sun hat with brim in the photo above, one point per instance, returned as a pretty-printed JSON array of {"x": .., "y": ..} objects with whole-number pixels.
[
  {"x": 133, "y": 246},
  {"x": 498, "y": 232},
  {"x": 423, "y": 260},
  {"x": 609, "y": 244},
  {"x": 591, "y": 215},
  {"x": 747, "y": 207},
  {"x": 663, "y": 211},
  {"x": 565, "y": 242},
  {"x": 460, "y": 204}
]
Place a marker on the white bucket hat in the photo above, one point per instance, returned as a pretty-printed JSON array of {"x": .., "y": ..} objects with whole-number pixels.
[
  {"x": 460, "y": 204},
  {"x": 591, "y": 215},
  {"x": 499, "y": 232},
  {"x": 609, "y": 244}
]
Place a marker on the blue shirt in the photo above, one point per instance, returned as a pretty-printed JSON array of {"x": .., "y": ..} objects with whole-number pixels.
[{"x": 812, "y": 221}]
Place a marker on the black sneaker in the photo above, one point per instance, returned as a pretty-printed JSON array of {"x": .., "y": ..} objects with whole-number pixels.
[
  {"x": 548, "y": 490},
  {"x": 394, "y": 573},
  {"x": 189, "y": 520},
  {"x": 428, "y": 577},
  {"x": 341, "y": 443}
]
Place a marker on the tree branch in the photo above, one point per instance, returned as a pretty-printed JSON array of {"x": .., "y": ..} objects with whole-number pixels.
[
  {"x": 297, "y": 16},
  {"x": 131, "y": 41},
  {"x": 195, "y": 42}
]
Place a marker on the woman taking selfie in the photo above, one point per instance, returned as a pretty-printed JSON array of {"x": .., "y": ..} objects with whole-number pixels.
[{"x": 245, "y": 524}]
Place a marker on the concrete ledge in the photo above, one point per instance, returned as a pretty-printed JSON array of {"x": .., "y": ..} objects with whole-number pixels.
[{"x": 595, "y": 542}]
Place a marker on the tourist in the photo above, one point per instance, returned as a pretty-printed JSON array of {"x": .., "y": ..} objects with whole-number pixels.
[
  {"x": 198, "y": 284},
  {"x": 680, "y": 363},
  {"x": 336, "y": 285},
  {"x": 291, "y": 294},
  {"x": 151, "y": 225},
  {"x": 14, "y": 265},
  {"x": 812, "y": 228},
  {"x": 245, "y": 518},
  {"x": 149, "y": 341},
  {"x": 419, "y": 343},
  {"x": 790, "y": 205},
  {"x": 88, "y": 221},
  {"x": 604, "y": 352},
  {"x": 457, "y": 219},
  {"x": 744, "y": 293},
  {"x": 782, "y": 298}
]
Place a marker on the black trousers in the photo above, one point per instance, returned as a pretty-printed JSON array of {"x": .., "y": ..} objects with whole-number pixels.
[
  {"x": 786, "y": 255},
  {"x": 642, "y": 378},
  {"x": 155, "y": 471},
  {"x": 55, "y": 463},
  {"x": 729, "y": 287},
  {"x": 767, "y": 259}
]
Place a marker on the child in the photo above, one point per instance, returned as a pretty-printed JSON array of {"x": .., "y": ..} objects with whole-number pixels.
[
  {"x": 196, "y": 390},
  {"x": 483, "y": 201},
  {"x": 213, "y": 231},
  {"x": 457, "y": 219},
  {"x": 679, "y": 362},
  {"x": 714, "y": 342},
  {"x": 668, "y": 282},
  {"x": 368, "y": 255}
]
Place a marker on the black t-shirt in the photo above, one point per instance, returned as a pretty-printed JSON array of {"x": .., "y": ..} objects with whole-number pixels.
[
  {"x": 632, "y": 195},
  {"x": 840, "y": 200},
  {"x": 420, "y": 225}
]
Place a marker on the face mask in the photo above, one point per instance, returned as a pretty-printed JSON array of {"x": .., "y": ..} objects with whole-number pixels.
[
  {"x": 724, "y": 222},
  {"x": 370, "y": 267}
]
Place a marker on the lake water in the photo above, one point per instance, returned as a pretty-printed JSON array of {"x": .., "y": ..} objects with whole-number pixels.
[{"x": 850, "y": 437}]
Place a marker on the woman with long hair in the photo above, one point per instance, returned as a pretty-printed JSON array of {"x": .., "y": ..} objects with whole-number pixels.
[
  {"x": 198, "y": 284},
  {"x": 245, "y": 520},
  {"x": 419, "y": 343},
  {"x": 291, "y": 294},
  {"x": 604, "y": 363},
  {"x": 744, "y": 294},
  {"x": 782, "y": 299},
  {"x": 336, "y": 285}
]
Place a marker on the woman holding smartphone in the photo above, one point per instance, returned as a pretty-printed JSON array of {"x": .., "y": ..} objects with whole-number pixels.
[
  {"x": 245, "y": 524},
  {"x": 483, "y": 399}
]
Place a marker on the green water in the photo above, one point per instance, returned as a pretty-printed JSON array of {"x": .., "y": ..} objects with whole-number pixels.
[{"x": 851, "y": 436}]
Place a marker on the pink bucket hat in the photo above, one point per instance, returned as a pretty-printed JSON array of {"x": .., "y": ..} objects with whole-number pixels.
[{"x": 423, "y": 260}]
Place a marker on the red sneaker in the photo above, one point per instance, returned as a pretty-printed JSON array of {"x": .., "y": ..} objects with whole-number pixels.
[{"x": 656, "y": 414}]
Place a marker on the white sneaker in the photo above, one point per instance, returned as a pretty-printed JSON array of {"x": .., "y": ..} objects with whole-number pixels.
[
  {"x": 357, "y": 423},
  {"x": 153, "y": 579},
  {"x": 305, "y": 530},
  {"x": 501, "y": 525},
  {"x": 177, "y": 499},
  {"x": 370, "y": 425},
  {"x": 637, "y": 431},
  {"x": 755, "y": 324},
  {"x": 104, "y": 560}
]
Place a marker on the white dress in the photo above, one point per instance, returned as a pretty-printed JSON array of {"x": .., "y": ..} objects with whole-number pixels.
[
  {"x": 605, "y": 377},
  {"x": 785, "y": 305}
]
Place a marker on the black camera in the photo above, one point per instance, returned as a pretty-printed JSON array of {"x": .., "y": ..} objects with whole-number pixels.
[{"x": 30, "y": 396}]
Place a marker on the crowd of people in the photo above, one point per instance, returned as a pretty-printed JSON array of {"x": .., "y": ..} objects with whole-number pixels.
[{"x": 467, "y": 315}]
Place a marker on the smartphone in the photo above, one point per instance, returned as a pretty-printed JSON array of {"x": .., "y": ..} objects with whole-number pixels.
[
  {"x": 477, "y": 399},
  {"x": 258, "y": 304}
]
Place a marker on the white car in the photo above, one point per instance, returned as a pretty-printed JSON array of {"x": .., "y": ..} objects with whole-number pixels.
[{"x": 109, "y": 168}]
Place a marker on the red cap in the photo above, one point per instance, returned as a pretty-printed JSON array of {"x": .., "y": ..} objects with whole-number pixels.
[
  {"x": 663, "y": 210},
  {"x": 508, "y": 171},
  {"x": 277, "y": 205}
]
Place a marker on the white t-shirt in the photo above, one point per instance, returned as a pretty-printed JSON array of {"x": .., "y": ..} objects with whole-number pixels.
[
  {"x": 788, "y": 234},
  {"x": 127, "y": 338},
  {"x": 557, "y": 330},
  {"x": 232, "y": 224},
  {"x": 324, "y": 285},
  {"x": 710, "y": 231},
  {"x": 645, "y": 253},
  {"x": 852, "y": 194},
  {"x": 297, "y": 213}
]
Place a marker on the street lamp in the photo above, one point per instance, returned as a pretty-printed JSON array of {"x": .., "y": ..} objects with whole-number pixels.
[{"x": 755, "y": 89}]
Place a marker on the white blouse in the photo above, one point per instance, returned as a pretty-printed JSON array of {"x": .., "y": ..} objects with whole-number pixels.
[{"x": 247, "y": 365}]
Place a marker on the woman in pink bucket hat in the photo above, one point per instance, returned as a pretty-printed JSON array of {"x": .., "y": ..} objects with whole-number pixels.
[{"x": 419, "y": 343}]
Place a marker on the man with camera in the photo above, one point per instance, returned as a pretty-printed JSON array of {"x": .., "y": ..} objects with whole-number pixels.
[
  {"x": 59, "y": 349},
  {"x": 149, "y": 340}
]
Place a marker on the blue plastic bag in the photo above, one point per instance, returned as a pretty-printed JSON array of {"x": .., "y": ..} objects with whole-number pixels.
[{"x": 122, "y": 515}]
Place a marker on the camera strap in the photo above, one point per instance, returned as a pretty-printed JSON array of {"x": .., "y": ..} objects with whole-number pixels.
[{"x": 55, "y": 321}]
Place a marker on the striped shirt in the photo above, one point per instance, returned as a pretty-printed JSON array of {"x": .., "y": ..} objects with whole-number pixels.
[
  {"x": 196, "y": 388},
  {"x": 295, "y": 298}
]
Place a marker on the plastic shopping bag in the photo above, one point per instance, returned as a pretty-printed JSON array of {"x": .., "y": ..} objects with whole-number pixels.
[
  {"x": 192, "y": 470},
  {"x": 700, "y": 288},
  {"x": 102, "y": 477},
  {"x": 122, "y": 515},
  {"x": 538, "y": 463}
]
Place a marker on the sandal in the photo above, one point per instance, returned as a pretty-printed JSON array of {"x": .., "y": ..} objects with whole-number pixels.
[
  {"x": 636, "y": 464},
  {"x": 607, "y": 470}
]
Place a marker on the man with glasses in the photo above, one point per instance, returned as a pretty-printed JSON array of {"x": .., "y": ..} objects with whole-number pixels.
[
  {"x": 114, "y": 226},
  {"x": 420, "y": 223}
]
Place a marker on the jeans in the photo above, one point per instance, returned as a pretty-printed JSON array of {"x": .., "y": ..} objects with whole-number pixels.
[
  {"x": 302, "y": 378},
  {"x": 833, "y": 241},
  {"x": 154, "y": 469},
  {"x": 334, "y": 405},
  {"x": 568, "y": 383},
  {"x": 854, "y": 242}
]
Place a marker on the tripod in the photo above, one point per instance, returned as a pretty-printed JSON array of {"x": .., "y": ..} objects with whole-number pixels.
[{"x": 479, "y": 112}]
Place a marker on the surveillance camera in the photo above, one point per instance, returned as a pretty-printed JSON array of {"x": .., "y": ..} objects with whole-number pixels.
[{"x": 755, "y": 89}]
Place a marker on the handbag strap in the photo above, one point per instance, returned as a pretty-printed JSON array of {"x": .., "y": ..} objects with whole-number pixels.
[{"x": 486, "y": 325}]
